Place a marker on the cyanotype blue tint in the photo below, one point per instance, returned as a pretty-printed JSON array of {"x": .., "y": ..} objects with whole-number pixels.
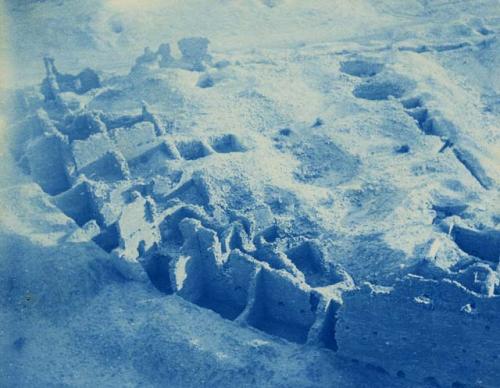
[{"x": 281, "y": 194}]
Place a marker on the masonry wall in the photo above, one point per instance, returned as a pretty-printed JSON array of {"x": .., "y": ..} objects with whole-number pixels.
[{"x": 430, "y": 331}]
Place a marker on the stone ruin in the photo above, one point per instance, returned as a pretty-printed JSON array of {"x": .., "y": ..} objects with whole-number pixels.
[
  {"x": 194, "y": 56},
  {"x": 101, "y": 170}
]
